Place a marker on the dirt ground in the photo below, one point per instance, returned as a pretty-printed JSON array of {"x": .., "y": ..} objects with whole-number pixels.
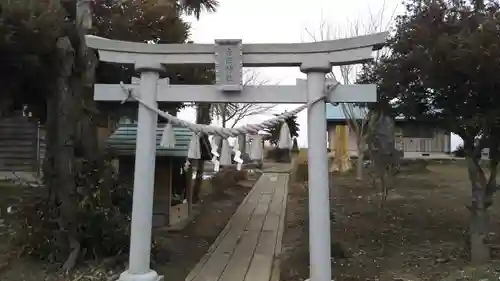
[
  {"x": 187, "y": 247},
  {"x": 179, "y": 250},
  {"x": 422, "y": 236}
]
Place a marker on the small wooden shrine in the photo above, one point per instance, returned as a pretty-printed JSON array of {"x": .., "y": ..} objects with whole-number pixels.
[{"x": 172, "y": 188}]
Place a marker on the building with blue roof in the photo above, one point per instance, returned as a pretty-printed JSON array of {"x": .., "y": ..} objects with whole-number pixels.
[
  {"x": 122, "y": 141},
  {"x": 417, "y": 139},
  {"x": 171, "y": 200}
]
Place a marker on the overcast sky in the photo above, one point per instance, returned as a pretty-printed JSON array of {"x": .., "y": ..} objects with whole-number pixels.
[{"x": 286, "y": 21}]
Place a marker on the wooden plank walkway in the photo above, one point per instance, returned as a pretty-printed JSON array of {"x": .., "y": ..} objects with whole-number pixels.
[{"x": 245, "y": 250}]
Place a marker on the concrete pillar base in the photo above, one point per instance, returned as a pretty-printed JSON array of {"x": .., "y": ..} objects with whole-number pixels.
[{"x": 149, "y": 276}]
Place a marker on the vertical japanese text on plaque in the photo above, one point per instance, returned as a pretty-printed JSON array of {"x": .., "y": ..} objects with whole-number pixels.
[{"x": 228, "y": 65}]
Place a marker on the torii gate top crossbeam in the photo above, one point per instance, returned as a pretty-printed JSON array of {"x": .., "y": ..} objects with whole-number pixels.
[{"x": 336, "y": 52}]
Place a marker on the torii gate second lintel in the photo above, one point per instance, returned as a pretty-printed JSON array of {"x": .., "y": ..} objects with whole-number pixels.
[
  {"x": 314, "y": 59},
  {"x": 291, "y": 94}
]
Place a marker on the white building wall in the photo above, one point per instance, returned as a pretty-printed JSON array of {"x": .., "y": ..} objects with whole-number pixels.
[{"x": 438, "y": 145}]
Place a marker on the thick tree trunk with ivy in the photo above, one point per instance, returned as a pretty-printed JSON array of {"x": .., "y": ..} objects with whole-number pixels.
[
  {"x": 64, "y": 153},
  {"x": 72, "y": 137}
]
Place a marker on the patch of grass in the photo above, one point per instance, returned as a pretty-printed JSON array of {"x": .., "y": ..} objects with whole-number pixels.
[
  {"x": 9, "y": 195},
  {"x": 206, "y": 187},
  {"x": 420, "y": 236},
  {"x": 301, "y": 172},
  {"x": 300, "y": 169},
  {"x": 227, "y": 178},
  {"x": 475, "y": 273},
  {"x": 302, "y": 156}
]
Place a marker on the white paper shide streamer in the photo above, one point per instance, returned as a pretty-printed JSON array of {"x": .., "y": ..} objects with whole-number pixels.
[
  {"x": 285, "y": 140},
  {"x": 223, "y": 132},
  {"x": 168, "y": 137},
  {"x": 256, "y": 152},
  {"x": 248, "y": 146},
  {"x": 193, "y": 150},
  {"x": 215, "y": 152},
  {"x": 225, "y": 155},
  {"x": 237, "y": 157}
]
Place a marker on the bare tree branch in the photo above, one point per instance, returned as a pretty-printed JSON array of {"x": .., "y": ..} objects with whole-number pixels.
[
  {"x": 234, "y": 113},
  {"x": 250, "y": 109}
]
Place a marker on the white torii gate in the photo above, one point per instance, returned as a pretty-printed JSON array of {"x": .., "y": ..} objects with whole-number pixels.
[{"x": 315, "y": 59}]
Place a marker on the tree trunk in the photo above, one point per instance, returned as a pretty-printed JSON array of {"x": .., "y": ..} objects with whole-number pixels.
[
  {"x": 49, "y": 173},
  {"x": 491, "y": 187},
  {"x": 359, "y": 163},
  {"x": 478, "y": 228},
  {"x": 224, "y": 124},
  {"x": 479, "y": 249},
  {"x": 223, "y": 117},
  {"x": 242, "y": 141},
  {"x": 64, "y": 149},
  {"x": 87, "y": 137},
  {"x": 384, "y": 191},
  {"x": 70, "y": 134},
  {"x": 202, "y": 117}
]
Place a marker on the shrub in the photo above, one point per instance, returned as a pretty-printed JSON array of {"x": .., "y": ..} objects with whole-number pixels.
[
  {"x": 295, "y": 147},
  {"x": 302, "y": 172},
  {"x": 279, "y": 155},
  {"x": 414, "y": 165},
  {"x": 102, "y": 217},
  {"x": 459, "y": 151},
  {"x": 227, "y": 178}
]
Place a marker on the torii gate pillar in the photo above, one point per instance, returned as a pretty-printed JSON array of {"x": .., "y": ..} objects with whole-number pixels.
[
  {"x": 144, "y": 174},
  {"x": 319, "y": 202}
]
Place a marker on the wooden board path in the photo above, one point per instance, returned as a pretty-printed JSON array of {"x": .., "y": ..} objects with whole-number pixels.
[{"x": 247, "y": 247}]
